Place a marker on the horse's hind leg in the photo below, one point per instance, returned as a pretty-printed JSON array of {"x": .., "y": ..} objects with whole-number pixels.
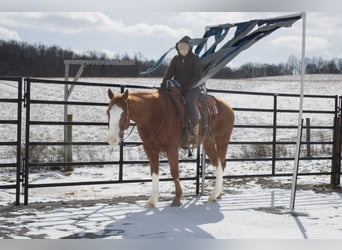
[
  {"x": 221, "y": 148},
  {"x": 216, "y": 151}
]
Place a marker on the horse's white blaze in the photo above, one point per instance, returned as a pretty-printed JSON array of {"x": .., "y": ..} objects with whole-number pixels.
[
  {"x": 218, "y": 182},
  {"x": 155, "y": 189},
  {"x": 114, "y": 129}
]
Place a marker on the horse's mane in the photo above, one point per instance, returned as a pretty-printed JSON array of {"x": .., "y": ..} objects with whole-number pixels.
[
  {"x": 154, "y": 95},
  {"x": 136, "y": 95}
]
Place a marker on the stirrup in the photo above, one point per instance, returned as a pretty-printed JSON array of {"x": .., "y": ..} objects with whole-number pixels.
[{"x": 193, "y": 137}]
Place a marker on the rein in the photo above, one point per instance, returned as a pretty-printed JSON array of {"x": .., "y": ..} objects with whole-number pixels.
[
  {"x": 129, "y": 134},
  {"x": 126, "y": 123},
  {"x": 166, "y": 113}
]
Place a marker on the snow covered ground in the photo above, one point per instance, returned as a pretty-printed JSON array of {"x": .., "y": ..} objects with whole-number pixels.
[{"x": 250, "y": 208}]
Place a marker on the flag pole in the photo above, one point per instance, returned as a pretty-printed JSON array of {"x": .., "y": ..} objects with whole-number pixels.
[{"x": 296, "y": 162}]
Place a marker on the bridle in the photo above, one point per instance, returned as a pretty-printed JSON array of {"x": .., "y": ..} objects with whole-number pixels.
[{"x": 126, "y": 121}]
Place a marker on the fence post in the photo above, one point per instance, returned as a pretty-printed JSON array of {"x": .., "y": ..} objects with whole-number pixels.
[
  {"x": 27, "y": 139},
  {"x": 121, "y": 145},
  {"x": 19, "y": 162},
  {"x": 199, "y": 171},
  {"x": 308, "y": 137},
  {"x": 336, "y": 151},
  {"x": 274, "y": 141}
]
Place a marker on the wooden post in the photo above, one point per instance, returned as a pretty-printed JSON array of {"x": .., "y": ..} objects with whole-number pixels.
[
  {"x": 68, "y": 90},
  {"x": 308, "y": 137},
  {"x": 69, "y": 147}
]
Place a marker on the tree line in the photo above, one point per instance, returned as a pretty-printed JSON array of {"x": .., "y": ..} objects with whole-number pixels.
[{"x": 23, "y": 59}]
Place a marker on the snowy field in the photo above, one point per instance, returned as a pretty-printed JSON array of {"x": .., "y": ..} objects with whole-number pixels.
[{"x": 250, "y": 208}]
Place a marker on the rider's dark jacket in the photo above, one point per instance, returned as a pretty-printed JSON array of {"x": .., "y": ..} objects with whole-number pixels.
[{"x": 186, "y": 70}]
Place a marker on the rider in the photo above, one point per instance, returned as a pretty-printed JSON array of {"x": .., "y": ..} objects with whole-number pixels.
[{"x": 186, "y": 69}]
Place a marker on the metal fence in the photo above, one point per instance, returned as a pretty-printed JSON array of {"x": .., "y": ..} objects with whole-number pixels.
[
  {"x": 44, "y": 115},
  {"x": 276, "y": 127},
  {"x": 34, "y": 165},
  {"x": 10, "y": 141}
]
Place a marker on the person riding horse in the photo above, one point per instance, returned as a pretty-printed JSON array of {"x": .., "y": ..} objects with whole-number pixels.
[{"x": 185, "y": 68}]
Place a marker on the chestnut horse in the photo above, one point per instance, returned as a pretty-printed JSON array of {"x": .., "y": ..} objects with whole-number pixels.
[{"x": 160, "y": 129}]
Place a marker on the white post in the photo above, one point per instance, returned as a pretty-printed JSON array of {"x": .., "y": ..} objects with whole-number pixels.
[
  {"x": 203, "y": 158},
  {"x": 296, "y": 162}
]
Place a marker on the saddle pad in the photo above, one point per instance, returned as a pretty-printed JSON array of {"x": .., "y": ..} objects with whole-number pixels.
[{"x": 211, "y": 104}]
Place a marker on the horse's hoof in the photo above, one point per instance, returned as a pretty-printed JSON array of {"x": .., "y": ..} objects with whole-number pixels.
[
  {"x": 212, "y": 199},
  {"x": 149, "y": 205},
  {"x": 176, "y": 203}
]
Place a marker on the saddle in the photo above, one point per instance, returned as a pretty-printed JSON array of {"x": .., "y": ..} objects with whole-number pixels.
[{"x": 206, "y": 104}]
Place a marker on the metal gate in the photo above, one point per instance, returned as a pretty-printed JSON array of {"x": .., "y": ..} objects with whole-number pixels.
[
  {"x": 10, "y": 140},
  {"x": 36, "y": 120}
]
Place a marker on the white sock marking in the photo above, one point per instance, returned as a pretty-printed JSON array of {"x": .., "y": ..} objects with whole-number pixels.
[
  {"x": 218, "y": 182},
  {"x": 155, "y": 189}
]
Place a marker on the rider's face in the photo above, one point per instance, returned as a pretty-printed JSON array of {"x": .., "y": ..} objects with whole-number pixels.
[{"x": 183, "y": 52}]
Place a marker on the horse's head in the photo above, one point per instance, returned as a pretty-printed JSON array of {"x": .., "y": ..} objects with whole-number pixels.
[{"x": 118, "y": 116}]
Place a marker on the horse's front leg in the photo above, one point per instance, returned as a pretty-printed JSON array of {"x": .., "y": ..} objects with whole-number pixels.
[
  {"x": 153, "y": 156},
  {"x": 172, "y": 156}
]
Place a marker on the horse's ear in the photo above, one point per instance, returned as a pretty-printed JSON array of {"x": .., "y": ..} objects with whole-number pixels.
[
  {"x": 125, "y": 95},
  {"x": 110, "y": 94}
]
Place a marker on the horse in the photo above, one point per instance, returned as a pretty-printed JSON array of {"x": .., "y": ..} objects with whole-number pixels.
[{"x": 160, "y": 128}]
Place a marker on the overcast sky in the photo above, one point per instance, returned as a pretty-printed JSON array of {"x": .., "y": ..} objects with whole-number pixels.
[{"x": 151, "y": 33}]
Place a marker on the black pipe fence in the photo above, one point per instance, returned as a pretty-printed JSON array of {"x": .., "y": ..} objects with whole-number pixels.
[
  {"x": 10, "y": 141},
  {"x": 45, "y": 125},
  {"x": 276, "y": 127}
]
